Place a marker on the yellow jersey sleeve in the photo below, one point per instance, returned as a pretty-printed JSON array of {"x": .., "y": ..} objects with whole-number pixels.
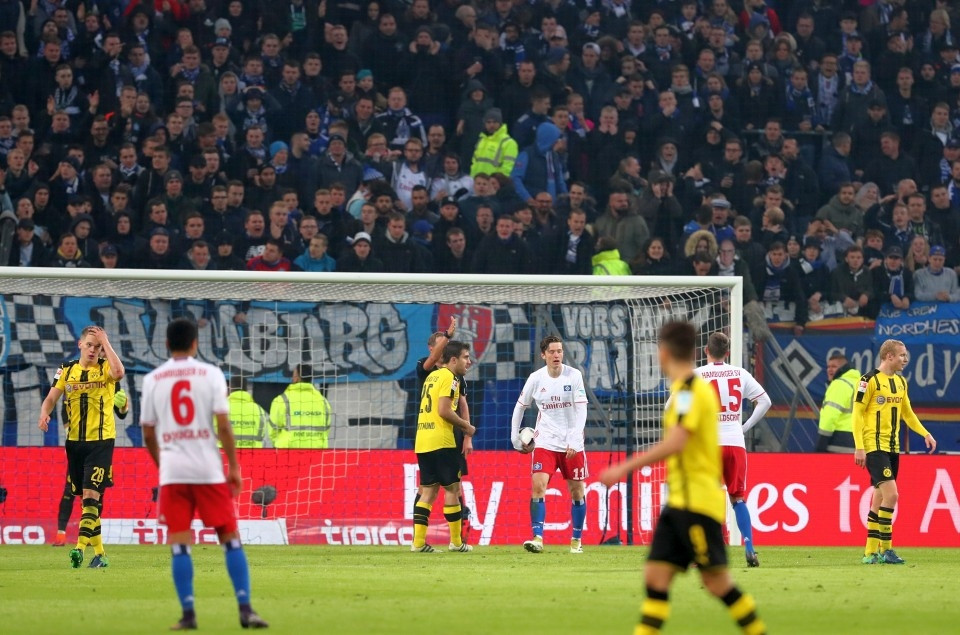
[
  {"x": 684, "y": 405},
  {"x": 60, "y": 378},
  {"x": 861, "y": 400}
]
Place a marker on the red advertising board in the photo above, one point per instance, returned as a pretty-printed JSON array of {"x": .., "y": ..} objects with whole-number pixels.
[{"x": 366, "y": 497}]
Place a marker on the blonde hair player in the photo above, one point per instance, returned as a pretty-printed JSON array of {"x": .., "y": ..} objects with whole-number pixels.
[{"x": 880, "y": 405}]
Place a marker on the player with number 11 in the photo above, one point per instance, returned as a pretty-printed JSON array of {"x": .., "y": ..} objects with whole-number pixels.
[{"x": 558, "y": 391}]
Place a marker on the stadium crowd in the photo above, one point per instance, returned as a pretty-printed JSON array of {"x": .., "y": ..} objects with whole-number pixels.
[{"x": 811, "y": 146}]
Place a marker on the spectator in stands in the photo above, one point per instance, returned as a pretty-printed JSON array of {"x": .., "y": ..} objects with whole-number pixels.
[
  {"x": 780, "y": 283},
  {"x": 408, "y": 173},
  {"x": 835, "y": 165},
  {"x": 943, "y": 215},
  {"x": 622, "y": 223},
  {"x": 660, "y": 210},
  {"x": 451, "y": 180},
  {"x": 898, "y": 232},
  {"x": 197, "y": 257},
  {"x": 851, "y": 283},
  {"x": 920, "y": 225},
  {"x": 456, "y": 256},
  {"x": 728, "y": 263},
  {"x": 503, "y": 251},
  {"x": 570, "y": 251},
  {"x": 814, "y": 277},
  {"x": 772, "y": 229},
  {"x": 918, "y": 254},
  {"x": 316, "y": 258},
  {"x": 840, "y": 212},
  {"x": 893, "y": 166},
  {"x": 250, "y": 243},
  {"x": 757, "y": 96},
  {"x": 159, "y": 254},
  {"x": 930, "y": 143},
  {"x": 701, "y": 240},
  {"x": 337, "y": 166},
  {"x": 359, "y": 258},
  {"x": 224, "y": 258},
  {"x": 485, "y": 221},
  {"x": 28, "y": 249},
  {"x": 892, "y": 283},
  {"x": 398, "y": 252},
  {"x": 935, "y": 283},
  {"x": 420, "y": 208},
  {"x": 861, "y": 91},
  {"x": 271, "y": 259},
  {"x": 538, "y": 167},
  {"x": 66, "y": 254},
  {"x": 873, "y": 251},
  {"x": 398, "y": 123},
  {"x": 654, "y": 261},
  {"x": 283, "y": 230},
  {"x": 720, "y": 225}
]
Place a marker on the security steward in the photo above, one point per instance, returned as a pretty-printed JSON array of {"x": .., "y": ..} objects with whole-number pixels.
[
  {"x": 836, "y": 414},
  {"x": 251, "y": 423},
  {"x": 300, "y": 417}
]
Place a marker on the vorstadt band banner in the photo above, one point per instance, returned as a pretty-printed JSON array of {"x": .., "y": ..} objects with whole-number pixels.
[{"x": 352, "y": 497}]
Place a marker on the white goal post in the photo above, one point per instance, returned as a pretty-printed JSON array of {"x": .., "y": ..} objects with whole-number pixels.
[{"x": 362, "y": 334}]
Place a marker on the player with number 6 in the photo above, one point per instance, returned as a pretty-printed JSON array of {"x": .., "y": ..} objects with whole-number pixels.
[{"x": 557, "y": 390}]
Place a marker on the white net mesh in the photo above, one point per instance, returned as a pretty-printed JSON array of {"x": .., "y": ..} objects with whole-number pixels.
[{"x": 361, "y": 339}]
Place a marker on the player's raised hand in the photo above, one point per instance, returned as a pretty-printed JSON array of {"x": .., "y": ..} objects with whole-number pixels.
[
  {"x": 234, "y": 480},
  {"x": 931, "y": 443},
  {"x": 860, "y": 458},
  {"x": 452, "y": 329},
  {"x": 44, "y": 422}
]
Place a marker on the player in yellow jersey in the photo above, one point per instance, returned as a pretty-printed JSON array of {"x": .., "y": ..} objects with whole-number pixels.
[
  {"x": 688, "y": 530},
  {"x": 436, "y": 446},
  {"x": 89, "y": 382},
  {"x": 880, "y": 405},
  {"x": 121, "y": 407}
]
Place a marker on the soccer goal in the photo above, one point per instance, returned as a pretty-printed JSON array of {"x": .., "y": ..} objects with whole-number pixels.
[{"x": 361, "y": 335}]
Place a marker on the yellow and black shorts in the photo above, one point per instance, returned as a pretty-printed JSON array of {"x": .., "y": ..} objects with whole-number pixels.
[{"x": 90, "y": 465}]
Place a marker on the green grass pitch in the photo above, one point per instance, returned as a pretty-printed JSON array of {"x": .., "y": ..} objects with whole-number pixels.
[{"x": 304, "y": 590}]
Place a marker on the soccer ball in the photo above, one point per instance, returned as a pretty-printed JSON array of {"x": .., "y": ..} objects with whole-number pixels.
[{"x": 527, "y": 435}]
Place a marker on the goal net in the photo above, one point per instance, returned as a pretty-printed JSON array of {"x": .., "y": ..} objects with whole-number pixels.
[{"x": 361, "y": 336}]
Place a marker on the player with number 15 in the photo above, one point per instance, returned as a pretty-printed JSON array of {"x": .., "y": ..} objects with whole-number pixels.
[{"x": 732, "y": 385}]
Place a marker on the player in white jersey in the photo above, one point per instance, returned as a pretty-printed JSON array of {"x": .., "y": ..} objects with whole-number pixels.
[
  {"x": 180, "y": 400},
  {"x": 734, "y": 384},
  {"x": 558, "y": 391}
]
